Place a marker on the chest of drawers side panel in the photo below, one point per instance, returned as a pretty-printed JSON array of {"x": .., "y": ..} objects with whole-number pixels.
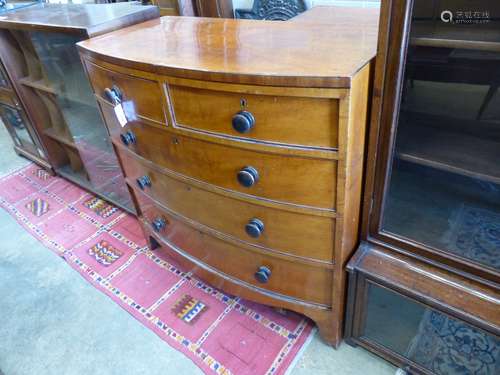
[{"x": 353, "y": 127}]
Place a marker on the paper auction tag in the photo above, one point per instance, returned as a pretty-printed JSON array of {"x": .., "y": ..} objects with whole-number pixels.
[
  {"x": 129, "y": 110},
  {"x": 120, "y": 115}
]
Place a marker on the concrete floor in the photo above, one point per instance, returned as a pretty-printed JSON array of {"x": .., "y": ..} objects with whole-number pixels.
[{"x": 53, "y": 322}]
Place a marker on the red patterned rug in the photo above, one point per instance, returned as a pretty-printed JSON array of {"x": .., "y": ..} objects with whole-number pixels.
[{"x": 220, "y": 333}]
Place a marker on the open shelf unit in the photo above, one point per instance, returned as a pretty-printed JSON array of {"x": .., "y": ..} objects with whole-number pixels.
[
  {"x": 36, "y": 90},
  {"x": 25, "y": 136},
  {"x": 38, "y": 49},
  {"x": 38, "y": 85}
]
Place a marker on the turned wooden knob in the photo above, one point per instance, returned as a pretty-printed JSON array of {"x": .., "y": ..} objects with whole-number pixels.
[
  {"x": 113, "y": 94},
  {"x": 128, "y": 138},
  {"x": 243, "y": 121},
  {"x": 254, "y": 228},
  {"x": 248, "y": 176},
  {"x": 263, "y": 274}
]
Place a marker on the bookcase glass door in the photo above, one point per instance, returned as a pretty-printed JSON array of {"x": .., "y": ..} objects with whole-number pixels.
[
  {"x": 82, "y": 121},
  {"x": 18, "y": 128},
  {"x": 444, "y": 183},
  {"x": 4, "y": 82}
]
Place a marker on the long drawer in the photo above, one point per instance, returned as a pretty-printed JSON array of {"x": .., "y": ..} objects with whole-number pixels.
[
  {"x": 285, "y": 277},
  {"x": 257, "y": 113},
  {"x": 142, "y": 97},
  {"x": 298, "y": 234},
  {"x": 287, "y": 179}
]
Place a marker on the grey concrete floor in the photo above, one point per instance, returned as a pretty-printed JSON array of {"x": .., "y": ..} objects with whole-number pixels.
[{"x": 53, "y": 322}]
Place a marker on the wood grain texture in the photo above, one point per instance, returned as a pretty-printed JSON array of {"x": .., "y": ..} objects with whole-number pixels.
[{"x": 244, "y": 51}]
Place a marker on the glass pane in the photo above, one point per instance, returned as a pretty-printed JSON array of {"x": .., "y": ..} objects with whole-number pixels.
[
  {"x": 65, "y": 73},
  {"x": 444, "y": 345},
  {"x": 13, "y": 119},
  {"x": 444, "y": 187},
  {"x": 3, "y": 78}
]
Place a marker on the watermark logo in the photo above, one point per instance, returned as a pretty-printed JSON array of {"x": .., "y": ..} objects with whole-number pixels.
[
  {"x": 447, "y": 16},
  {"x": 471, "y": 17}
]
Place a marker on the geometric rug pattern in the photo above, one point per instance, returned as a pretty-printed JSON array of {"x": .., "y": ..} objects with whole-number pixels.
[{"x": 220, "y": 333}]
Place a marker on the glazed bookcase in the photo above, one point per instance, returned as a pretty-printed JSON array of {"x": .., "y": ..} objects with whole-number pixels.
[
  {"x": 424, "y": 282},
  {"x": 24, "y": 136}
]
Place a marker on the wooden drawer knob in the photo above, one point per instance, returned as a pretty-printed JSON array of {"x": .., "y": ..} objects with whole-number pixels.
[
  {"x": 158, "y": 224},
  {"x": 128, "y": 138},
  {"x": 143, "y": 182},
  {"x": 263, "y": 274},
  {"x": 254, "y": 228},
  {"x": 248, "y": 176},
  {"x": 113, "y": 94},
  {"x": 243, "y": 122}
]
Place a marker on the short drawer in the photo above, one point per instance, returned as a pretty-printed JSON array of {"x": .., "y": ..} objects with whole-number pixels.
[
  {"x": 281, "y": 276},
  {"x": 144, "y": 96},
  {"x": 298, "y": 234},
  {"x": 291, "y": 120},
  {"x": 288, "y": 179}
]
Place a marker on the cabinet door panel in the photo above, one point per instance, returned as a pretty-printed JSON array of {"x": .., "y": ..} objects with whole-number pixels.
[{"x": 444, "y": 187}]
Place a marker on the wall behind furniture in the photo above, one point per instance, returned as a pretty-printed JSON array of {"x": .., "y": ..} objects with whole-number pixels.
[{"x": 247, "y": 4}]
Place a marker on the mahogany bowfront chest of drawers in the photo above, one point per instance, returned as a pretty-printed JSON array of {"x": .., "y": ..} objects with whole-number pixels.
[{"x": 242, "y": 143}]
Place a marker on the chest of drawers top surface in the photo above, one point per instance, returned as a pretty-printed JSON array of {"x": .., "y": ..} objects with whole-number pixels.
[{"x": 300, "y": 53}]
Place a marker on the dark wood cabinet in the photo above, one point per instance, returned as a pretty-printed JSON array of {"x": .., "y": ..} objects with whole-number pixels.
[
  {"x": 214, "y": 8},
  {"x": 424, "y": 283},
  {"x": 38, "y": 52}
]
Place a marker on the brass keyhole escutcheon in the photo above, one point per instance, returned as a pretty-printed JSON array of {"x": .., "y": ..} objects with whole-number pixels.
[{"x": 243, "y": 103}]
